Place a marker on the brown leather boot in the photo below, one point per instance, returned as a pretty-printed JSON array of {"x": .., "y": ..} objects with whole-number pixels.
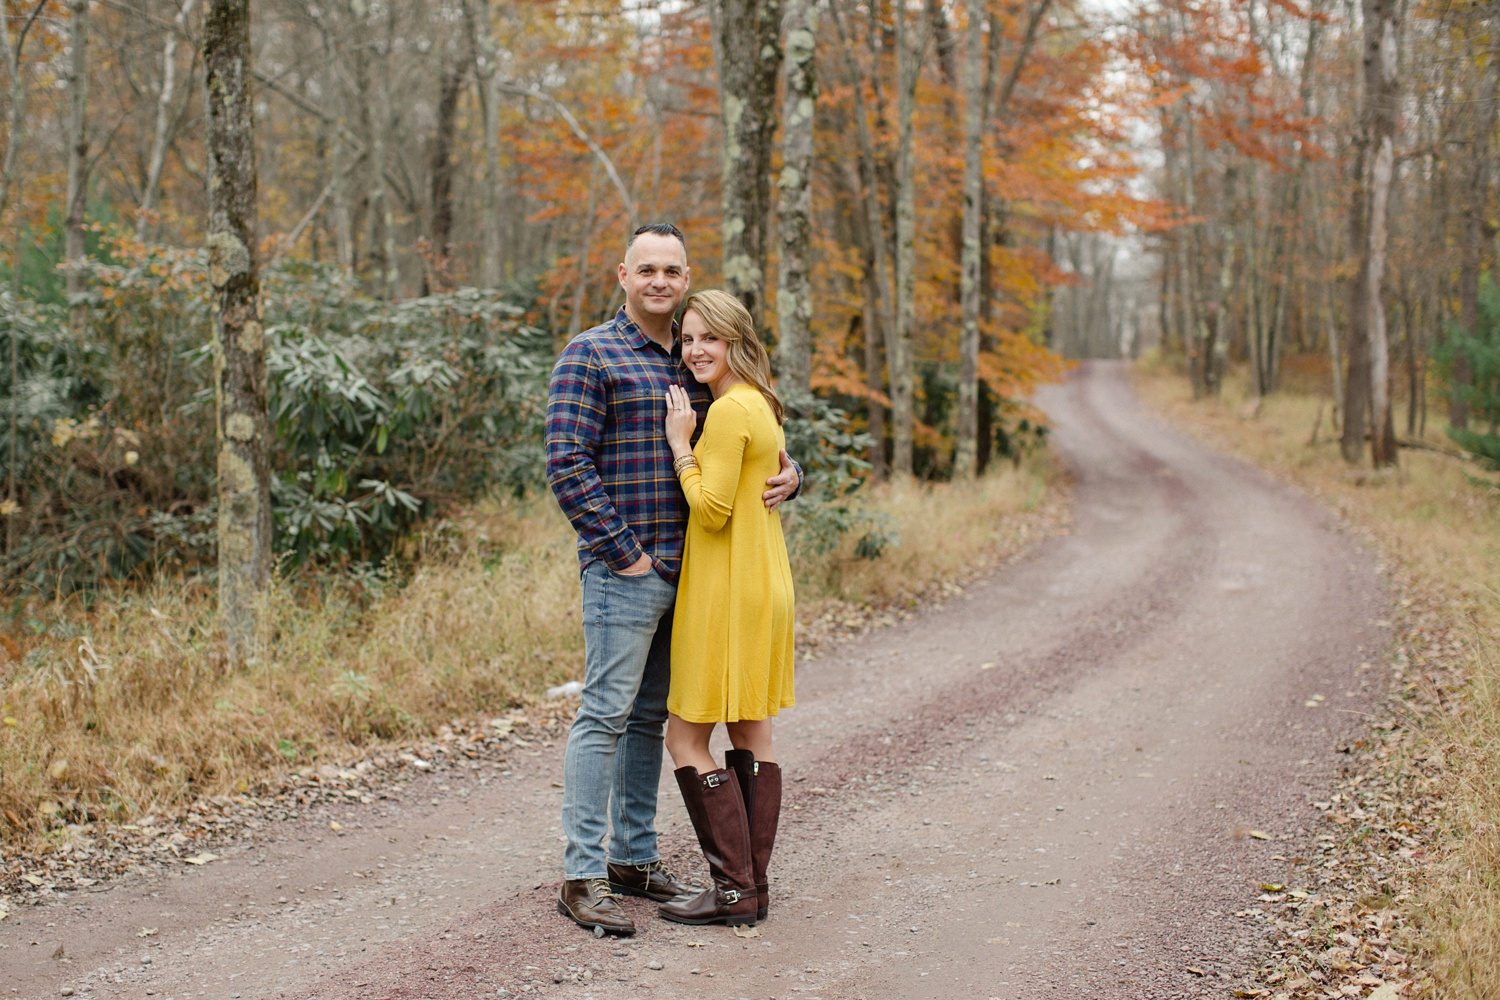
[
  {"x": 760, "y": 786},
  {"x": 653, "y": 880},
  {"x": 718, "y": 813},
  {"x": 588, "y": 902}
]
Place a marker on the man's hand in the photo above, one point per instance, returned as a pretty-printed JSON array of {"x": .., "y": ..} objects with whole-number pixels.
[
  {"x": 640, "y": 567},
  {"x": 783, "y": 485}
]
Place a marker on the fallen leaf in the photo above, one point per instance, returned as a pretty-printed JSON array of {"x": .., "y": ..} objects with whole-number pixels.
[
  {"x": 335, "y": 825},
  {"x": 696, "y": 944},
  {"x": 1259, "y": 835},
  {"x": 987, "y": 666},
  {"x": 35, "y": 880},
  {"x": 1390, "y": 991},
  {"x": 1196, "y": 971},
  {"x": 1272, "y": 887},
  {"x": 202, "y": 859},
  {"x": 146, "y": 932},
  {"x": 745, "y": 930}
]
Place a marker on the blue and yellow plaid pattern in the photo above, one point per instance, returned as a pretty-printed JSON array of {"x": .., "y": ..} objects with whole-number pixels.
[{"x": 607, "y": 456}]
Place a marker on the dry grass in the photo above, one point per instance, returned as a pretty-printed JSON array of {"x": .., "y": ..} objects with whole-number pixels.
[
  {"x": 1439, "y": 534},
  {"x": 128, "y": 708},
  {"x": 946, "y": 531}
]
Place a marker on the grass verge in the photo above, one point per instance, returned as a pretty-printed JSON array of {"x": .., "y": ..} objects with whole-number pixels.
[
  {"x": 1403, "y": 892},
  {"x": 127, "y": 708}
]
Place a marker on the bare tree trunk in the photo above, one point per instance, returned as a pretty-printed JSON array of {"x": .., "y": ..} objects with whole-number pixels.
[
  {"x": 390, "y": 279},
  {"x": 1357, "y": 382},
  {"x": 1217, "y": 332},
  {"x": 1194, "y": 303},
  {"x": 15, "y": 33},
  {"x": 240, "y": 357},
  {"x": 486, "y": 69},
  {"x": 965, "y": 453},
  {"x": 580, "y": 287},
  {"x": 877, "y": 295},
  {"x": 898, "y": 353},
  {"x": 78, "y": 158},
  {"x": 875, "y": 368},
  {"x": 747, "y": 48},
  {"x": 162, "y": 132},
  {"x": 1382, "y": 57},
  {"x": 1325, "y": 310},
  {"x": 794, "y": 301},
  {"x": 441, "y": 164}
]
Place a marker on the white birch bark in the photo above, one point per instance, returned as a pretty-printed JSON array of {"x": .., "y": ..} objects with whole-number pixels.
[
  {"x": 965, "y": 454},
  {"x": 161, "y": 134},
  {"x": 794, "y": 301},
  {"x": 78, "y": 154}
]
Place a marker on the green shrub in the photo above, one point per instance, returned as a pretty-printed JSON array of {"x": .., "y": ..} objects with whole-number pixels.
[
  {"x": 1481, "y": 347},
  {"x": 384, "y": 412}
]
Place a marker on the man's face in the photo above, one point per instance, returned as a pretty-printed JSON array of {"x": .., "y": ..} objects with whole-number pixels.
[{"x": 654, "y": 276}]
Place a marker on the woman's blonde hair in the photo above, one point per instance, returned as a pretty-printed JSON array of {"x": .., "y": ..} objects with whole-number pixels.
[{"x": 727, "y": 319}]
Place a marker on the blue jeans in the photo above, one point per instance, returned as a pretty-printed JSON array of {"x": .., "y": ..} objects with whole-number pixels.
[{"x": 613, "y": 761}]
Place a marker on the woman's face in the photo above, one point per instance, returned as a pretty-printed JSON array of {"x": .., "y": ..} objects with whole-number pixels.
[{"x": 706, "y": 356}]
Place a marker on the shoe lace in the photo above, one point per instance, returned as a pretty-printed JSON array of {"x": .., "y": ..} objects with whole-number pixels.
[
  {"x": 599, "y": 889},
  {"x": 661, "y": 868}
]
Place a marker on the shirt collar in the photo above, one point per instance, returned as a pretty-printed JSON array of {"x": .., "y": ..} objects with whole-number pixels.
[{"x": 633, "y": 335}]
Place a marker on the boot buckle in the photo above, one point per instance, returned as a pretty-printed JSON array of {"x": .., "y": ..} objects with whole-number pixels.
[
  {"x": 732, "y": 895},
  {"x": 712, "y": 780}
]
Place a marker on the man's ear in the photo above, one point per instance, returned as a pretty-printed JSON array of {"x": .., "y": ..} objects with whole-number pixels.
[{"x": 620, "y": 273}]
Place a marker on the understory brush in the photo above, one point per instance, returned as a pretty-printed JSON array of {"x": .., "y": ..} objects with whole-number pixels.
[
  {"x": 125, "y": 705},
  {"x": 1429, "y": 848}
]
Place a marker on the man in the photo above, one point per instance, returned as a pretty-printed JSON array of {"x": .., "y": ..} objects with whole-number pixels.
[{"x": 611, "y": 469}]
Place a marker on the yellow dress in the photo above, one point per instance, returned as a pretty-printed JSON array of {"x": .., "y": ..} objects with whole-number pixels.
[{"x": 732, "y": 628}]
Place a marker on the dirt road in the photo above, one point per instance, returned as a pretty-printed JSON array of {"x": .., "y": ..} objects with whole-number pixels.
[{"x": 1065, "y": 783}]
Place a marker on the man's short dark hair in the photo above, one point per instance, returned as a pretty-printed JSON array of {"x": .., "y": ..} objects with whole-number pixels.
[{"x": 657, "y": 229}]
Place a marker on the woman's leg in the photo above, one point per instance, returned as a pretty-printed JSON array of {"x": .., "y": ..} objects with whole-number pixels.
[
  {"x": 687, "y": 742},
  {"x": 753, "y": 735}
]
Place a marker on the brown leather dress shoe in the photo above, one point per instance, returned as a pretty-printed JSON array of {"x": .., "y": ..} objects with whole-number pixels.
[
  {"x": 653, "y": 881},
  {"x": 589, "y": 902}
]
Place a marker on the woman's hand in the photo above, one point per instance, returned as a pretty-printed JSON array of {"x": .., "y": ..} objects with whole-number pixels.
[{"x": 681, "y": 421}]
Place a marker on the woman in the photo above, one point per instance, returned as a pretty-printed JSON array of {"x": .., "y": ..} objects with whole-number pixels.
[{"x": 732, "y": 627}]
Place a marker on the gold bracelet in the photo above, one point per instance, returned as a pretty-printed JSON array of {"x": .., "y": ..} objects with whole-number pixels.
[{"x": 685, "y": 462}]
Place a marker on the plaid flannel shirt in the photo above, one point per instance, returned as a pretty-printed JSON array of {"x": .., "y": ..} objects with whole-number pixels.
[{"x": 608, "y": 461}]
